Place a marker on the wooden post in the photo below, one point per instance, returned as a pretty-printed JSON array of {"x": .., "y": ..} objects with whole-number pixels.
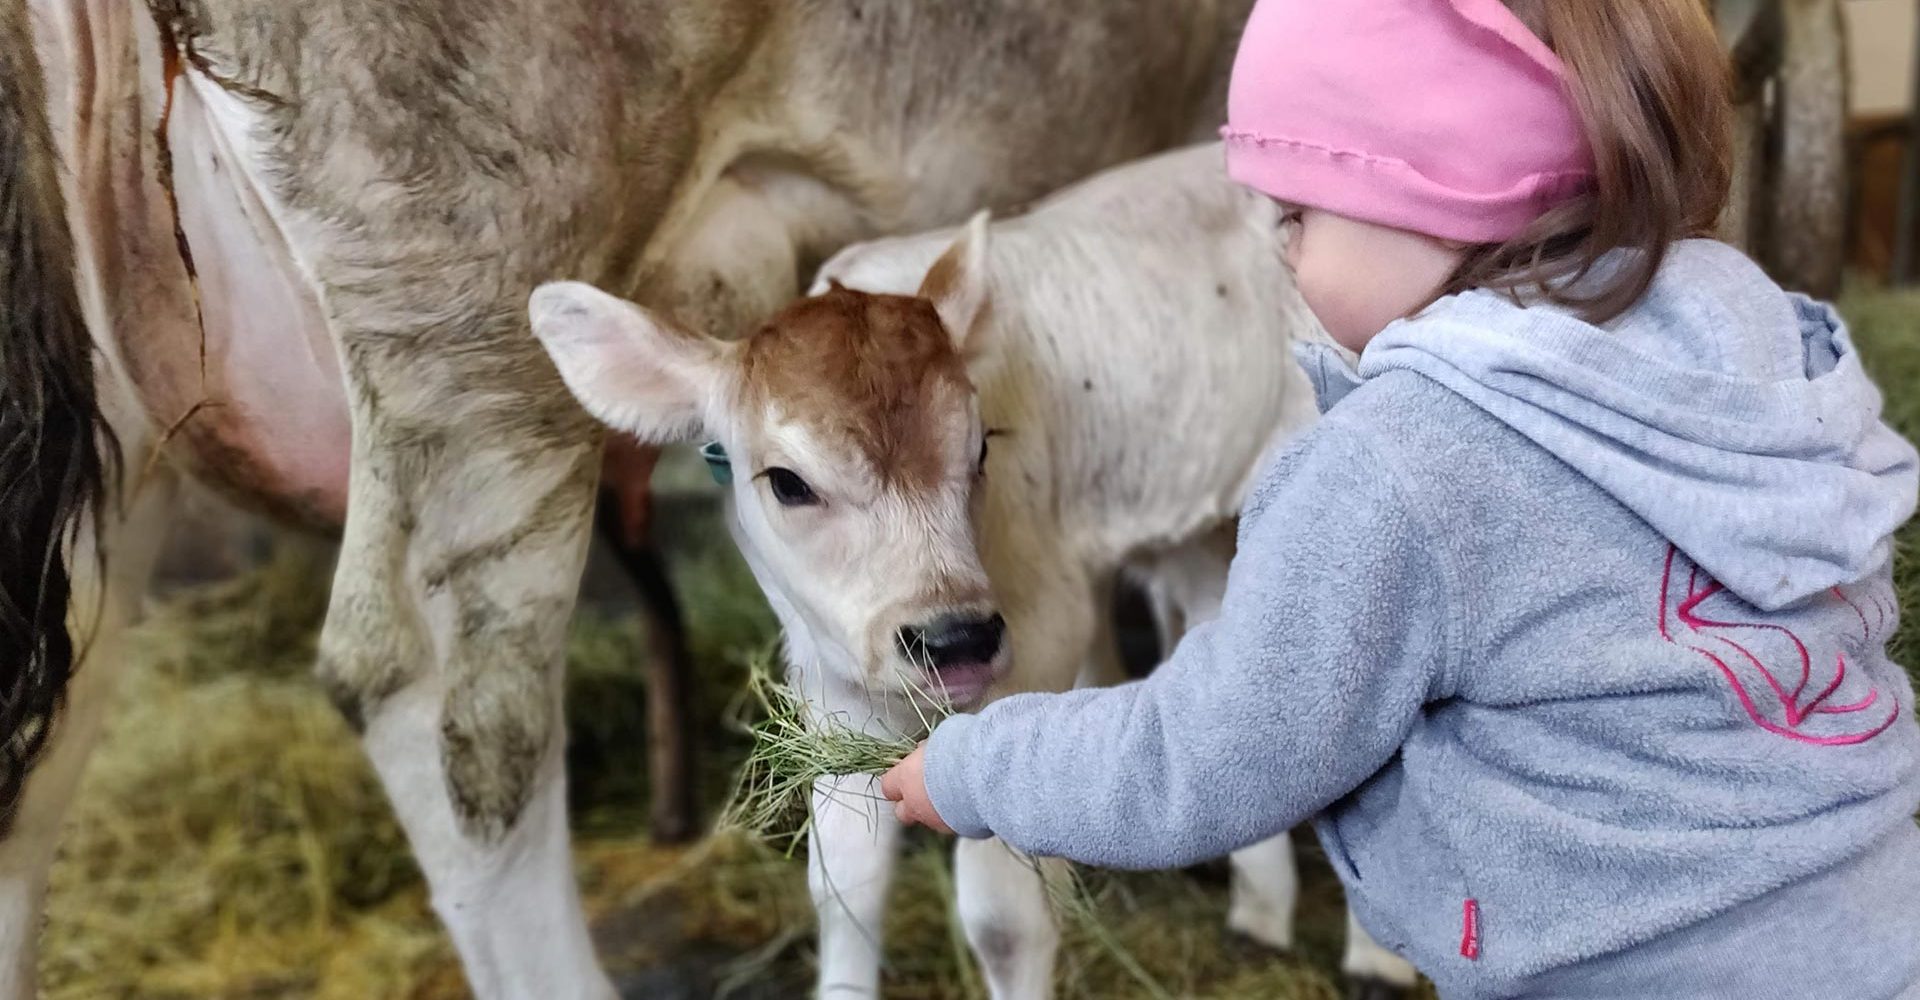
[
  {"x": 1908, "y": 216},
  {"x": 1801, "y": 234}
]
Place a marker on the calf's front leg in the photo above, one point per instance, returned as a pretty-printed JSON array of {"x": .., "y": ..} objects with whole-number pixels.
[
  {"x": 1001, "y": 900},
  {"x": 851, "y": 851},
  {"x": 1373, "y": 972},
  {"x": 1266, "y": 891}
]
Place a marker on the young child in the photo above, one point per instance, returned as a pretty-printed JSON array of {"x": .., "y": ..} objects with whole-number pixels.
[{"x": 1567, "y": 623}]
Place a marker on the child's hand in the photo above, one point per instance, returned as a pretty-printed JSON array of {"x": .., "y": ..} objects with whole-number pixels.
[{"x": 906, "y": 787}]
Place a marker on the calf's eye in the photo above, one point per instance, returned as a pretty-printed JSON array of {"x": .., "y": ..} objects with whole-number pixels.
[
  {"x": 790, "y": 489},
  {"x": 986, "y": 440}
]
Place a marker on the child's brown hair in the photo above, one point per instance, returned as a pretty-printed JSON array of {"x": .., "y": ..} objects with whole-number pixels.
[{"x": 1654, "y": 94}]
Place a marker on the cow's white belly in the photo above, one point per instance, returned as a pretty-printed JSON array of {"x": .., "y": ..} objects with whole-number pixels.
[
  {"x": 231, "y": 360},
  {"x": 282, "y": 396}
]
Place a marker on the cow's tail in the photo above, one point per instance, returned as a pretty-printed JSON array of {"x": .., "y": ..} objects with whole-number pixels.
[{"x": 53, "y": 437}]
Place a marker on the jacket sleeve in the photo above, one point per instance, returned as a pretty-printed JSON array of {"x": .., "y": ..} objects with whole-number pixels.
[{"x": 1332, "y": 636}]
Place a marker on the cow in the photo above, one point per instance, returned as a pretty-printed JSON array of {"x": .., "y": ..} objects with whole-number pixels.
[
  {"x": 285, "y": 249},
  {"x": 943, "y": 458}
]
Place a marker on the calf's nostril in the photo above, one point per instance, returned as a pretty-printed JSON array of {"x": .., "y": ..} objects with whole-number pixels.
[
  {"x": 987, "y": 635},
  {"x": 953, "y": 641},
  {"x": 913, "y": 644}
]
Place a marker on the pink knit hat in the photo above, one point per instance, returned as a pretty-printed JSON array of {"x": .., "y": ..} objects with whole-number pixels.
[{"x": 1445, "y": 117}]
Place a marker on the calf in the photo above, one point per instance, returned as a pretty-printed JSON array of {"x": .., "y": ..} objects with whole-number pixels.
[{"x": 937, "y": 477}]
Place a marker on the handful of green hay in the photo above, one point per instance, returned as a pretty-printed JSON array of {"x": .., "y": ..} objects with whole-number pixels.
[{"x": 774, "y": 795}]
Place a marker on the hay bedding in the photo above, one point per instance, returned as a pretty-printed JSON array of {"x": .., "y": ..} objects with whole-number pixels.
[{"x": 229, "y": 840}]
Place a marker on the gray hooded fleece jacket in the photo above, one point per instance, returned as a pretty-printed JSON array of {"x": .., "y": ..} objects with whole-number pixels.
[{"x": 1571, "y": 638}]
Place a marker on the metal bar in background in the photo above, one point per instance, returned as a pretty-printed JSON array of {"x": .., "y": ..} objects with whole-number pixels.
[{"x": 1907, "y": 216}]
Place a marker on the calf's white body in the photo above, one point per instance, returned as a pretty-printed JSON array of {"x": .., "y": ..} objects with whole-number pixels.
[{"x": 1127, "y": 344}]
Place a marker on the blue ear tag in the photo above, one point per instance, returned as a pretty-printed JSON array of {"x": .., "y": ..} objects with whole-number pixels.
[{"x": 718, "y": 465}]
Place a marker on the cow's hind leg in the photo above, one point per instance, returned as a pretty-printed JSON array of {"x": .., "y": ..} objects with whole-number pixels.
[
  {"x": 626, "y": 524},
  {"x": 106, "y": 599},
  {"x": 469, "y": 513},
  {"x": 669, "y": 676}
]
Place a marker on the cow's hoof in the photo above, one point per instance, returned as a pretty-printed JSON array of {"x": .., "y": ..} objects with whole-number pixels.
[
  {"x": 670, "y": 828},
  {"x": 1369, "y": 988}
]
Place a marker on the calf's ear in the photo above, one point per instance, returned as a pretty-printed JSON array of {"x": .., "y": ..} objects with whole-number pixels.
[
  {"x": 956, "y": 284},
  {"x": 632, "y": 369}
]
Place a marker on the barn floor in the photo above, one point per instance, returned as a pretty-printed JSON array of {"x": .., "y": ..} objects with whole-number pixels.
[{"x": 230, "y": 842}]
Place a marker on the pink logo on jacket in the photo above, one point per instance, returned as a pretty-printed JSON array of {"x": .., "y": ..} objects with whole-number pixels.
[{"x": 1686, "y": 619}]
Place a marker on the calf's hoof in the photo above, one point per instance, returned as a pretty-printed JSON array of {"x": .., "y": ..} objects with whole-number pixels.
[
  {"x": 1264, "y": 925},
  {"x": 1369, "y": 988}
]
